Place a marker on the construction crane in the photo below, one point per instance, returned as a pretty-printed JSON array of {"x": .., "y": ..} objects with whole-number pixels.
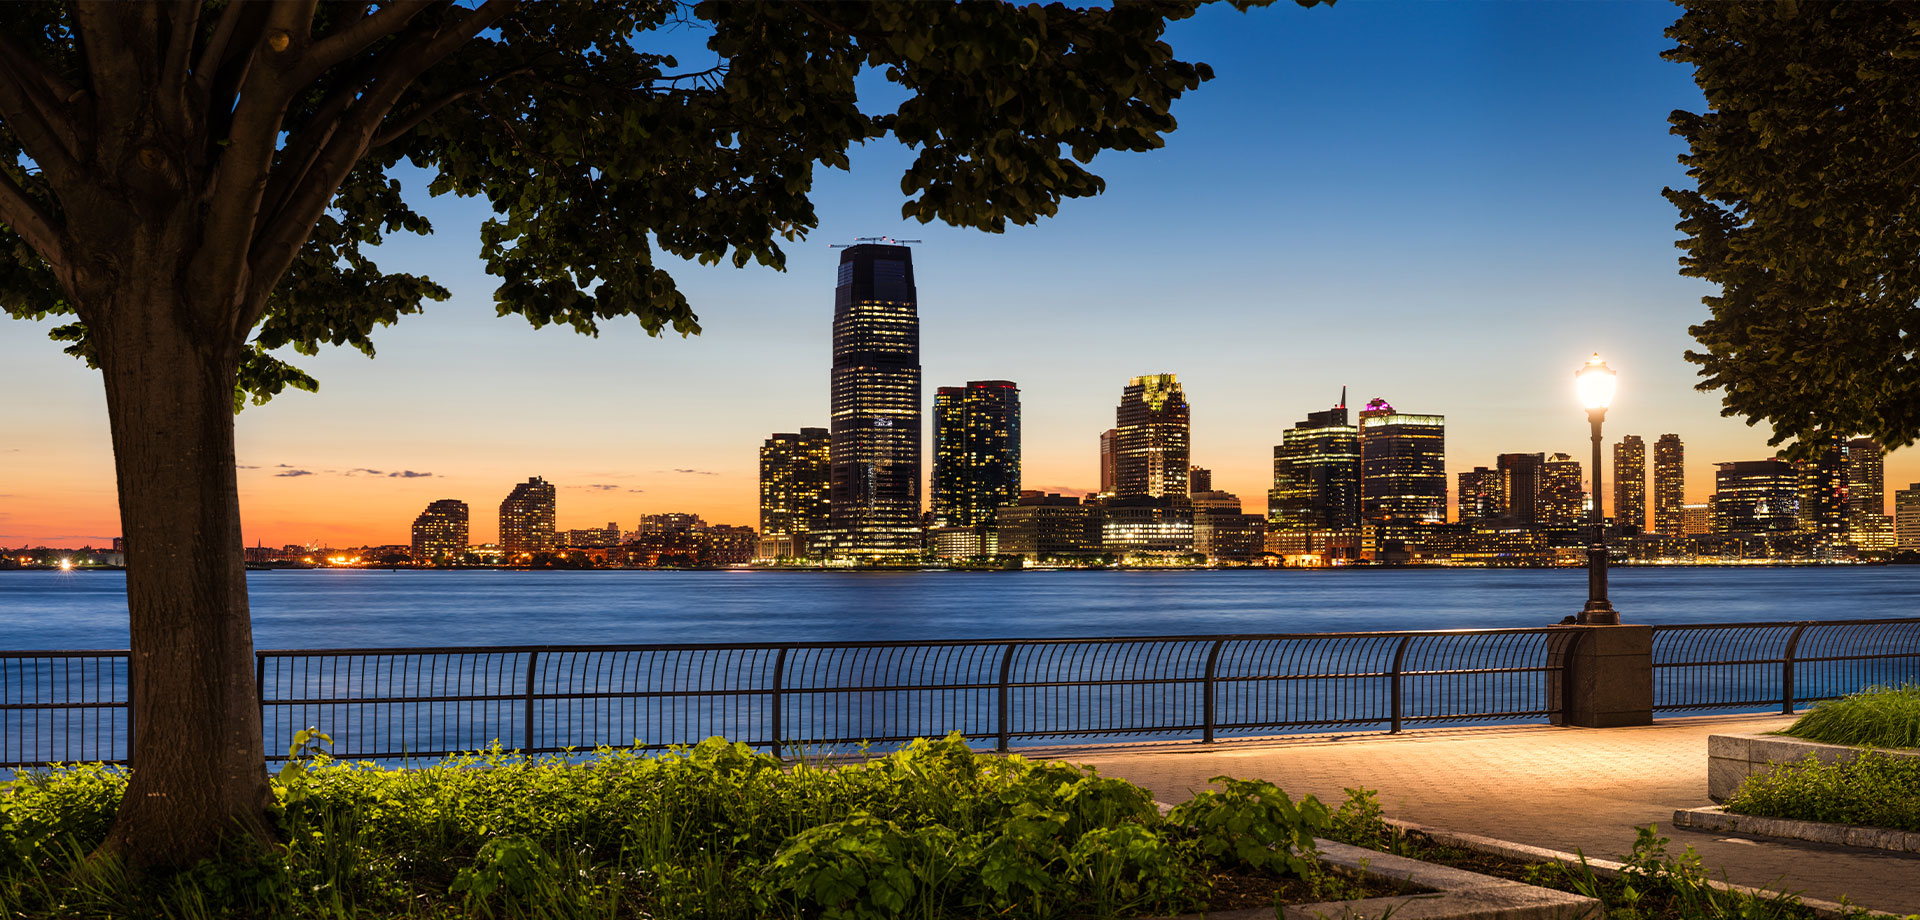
[{"x": 862, "y": 240}]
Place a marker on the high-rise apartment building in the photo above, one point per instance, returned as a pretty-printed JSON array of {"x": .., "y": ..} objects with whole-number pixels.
[
  {"x": 526, "y": 519},
  {"x": 1479, "y": 495},
  {"x": 440, "y": 532},
  {"x": 1669, "y": 484},
  {"x": 1756, "y": 496},
  {"x": 1522, "y": 477},
  {"x": 1152, "y": 448},
  {"x": 1823, "y": 493},
  {"x": 1868, "y": 526},
  {"x": 1906, "y": 517},
  {"x": 1563, "y": 496},
  {"x": 794, "y": 488},
  {"x": 1630, "y": 484},
  {"x": 1403, "y": 471},
  {"x": 1316, "y": 475},
  {"x": 1107, "y": 440},
  {"x": 976, "y": 452},
  {"x": 874, "y": 449}
]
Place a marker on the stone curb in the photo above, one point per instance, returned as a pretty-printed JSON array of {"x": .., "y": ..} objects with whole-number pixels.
[
  {"x": 1607, "y": 868},
  {"x": 1717, "y": 819}
]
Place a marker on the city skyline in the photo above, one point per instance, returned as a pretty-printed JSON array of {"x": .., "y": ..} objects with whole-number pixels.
[{"x": 1243, "y": 287}]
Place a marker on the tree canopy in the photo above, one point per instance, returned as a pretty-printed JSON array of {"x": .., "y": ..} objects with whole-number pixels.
[{"x": 1806, "y": 213}]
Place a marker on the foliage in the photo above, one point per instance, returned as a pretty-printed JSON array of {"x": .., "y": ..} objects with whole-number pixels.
[
  {"x": 1806, "y": 167},
  {"x": 1872, "y": 789},
  {"x": 1886, "y": 717},
  {"x": 1654, "y": 884},
  {"x": 714, "y": 831}
]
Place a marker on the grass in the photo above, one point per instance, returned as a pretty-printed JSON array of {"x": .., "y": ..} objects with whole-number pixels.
[
  {"x": 1870, "y": 790},
  {"x": 1882, "y": 717},
  {"x": 716, "y": 831}
]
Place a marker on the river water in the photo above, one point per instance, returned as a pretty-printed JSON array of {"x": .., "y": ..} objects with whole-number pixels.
[{"x": 381, "y": 608}]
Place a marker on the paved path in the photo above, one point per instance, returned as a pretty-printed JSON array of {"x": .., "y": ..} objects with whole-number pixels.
[{"x": 1562, "y": 788}]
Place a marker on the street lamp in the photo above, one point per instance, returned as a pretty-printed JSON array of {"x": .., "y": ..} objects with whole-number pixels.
[{"x": 1595, "y": 383}]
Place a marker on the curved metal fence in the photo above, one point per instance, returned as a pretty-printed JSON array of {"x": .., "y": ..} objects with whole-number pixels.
[
  {"x": 402, "y": 703},
  {"x": 1736, "y": 666}
]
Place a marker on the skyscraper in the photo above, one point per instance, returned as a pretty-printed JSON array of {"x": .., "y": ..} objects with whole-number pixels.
[
  {"x": 1906, "y": 517},
  {"x": 976, "y": 452},
  {"x": 1152, "y": 452},
  {"x": 1630, "y": 484},
  {"x": 1316, "y": 475},
  {"x": 875, "y": 435},
  {"x": 1868, "y": 526},
  {"x": 1522, "y": 477},
  {"x": 794, "y": 485},
  {"x": 1562, "y": 504},
  {"x": 526, "y": 519},
  {"x": 1403, "y": 471},
  {"x": 1669, "y": 484},
  {"x": 440, "y": 532},
  {"x": 1479, "y": 495},
  {"x": 1756, "y": 496},
  {"x": 1107, "y": 439},
  {"x": 1823, "y": 492},
  {"x": 1199, "y": 479}
]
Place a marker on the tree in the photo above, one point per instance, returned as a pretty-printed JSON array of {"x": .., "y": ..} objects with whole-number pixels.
[
  {"x": 1806, "y": 213},
  {"x": 198, "y": 184}
]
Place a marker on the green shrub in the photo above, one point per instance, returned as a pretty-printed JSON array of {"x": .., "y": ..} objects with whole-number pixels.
[
  {"x": 1883, "y": 717},
  {"x": 1872, "y": 790},
  {"x": 713, "y": 831}
]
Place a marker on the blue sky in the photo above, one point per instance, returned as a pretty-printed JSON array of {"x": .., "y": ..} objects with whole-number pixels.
[{"x": 1448, "y": 205}]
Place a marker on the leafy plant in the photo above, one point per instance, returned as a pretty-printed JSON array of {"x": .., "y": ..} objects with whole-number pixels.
[
  {"x": 1884, "y": 717},
  {"x": 1253, "y": 823},
  {"x": 1872, "y": 790}
]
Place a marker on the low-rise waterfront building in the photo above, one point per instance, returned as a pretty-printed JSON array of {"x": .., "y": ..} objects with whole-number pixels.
[{"x": 1048, "y": 527}]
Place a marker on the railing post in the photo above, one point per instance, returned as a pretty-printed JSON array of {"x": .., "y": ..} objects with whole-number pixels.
[
  {"x": 1006, "y": 697},
  {"x": 1786, "y": 670},
  {"x": 260, "y": 688},
  {"x": 776, "y": 722},
  {"x": 526, "y": 745},
  {"x": 1213, "y": 661},
  {"x": 1399, "y": 663}
]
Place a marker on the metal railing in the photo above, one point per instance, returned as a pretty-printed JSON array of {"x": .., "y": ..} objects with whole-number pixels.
[
  {"x": 390, "y": 704},
  {"x": 1733, "y": 666}
]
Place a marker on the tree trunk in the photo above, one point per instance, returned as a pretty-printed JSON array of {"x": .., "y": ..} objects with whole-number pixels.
[{"x": 198, "y": 770}]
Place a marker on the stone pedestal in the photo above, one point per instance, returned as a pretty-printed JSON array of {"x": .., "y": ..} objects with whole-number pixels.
[{"x": 1606, "y": 676}]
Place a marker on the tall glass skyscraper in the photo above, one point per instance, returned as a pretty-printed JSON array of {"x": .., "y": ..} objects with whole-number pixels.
[
  {"x": 1630, "y": 484},
  {"x": 875, "y": 433},
  {"x": 1152, "y": 446},
  {"x": 976, "y": 452},
  {"x": 1669, "y": 484},
  {"x": 1403, "y": 471},
  {"x": 1316, "y": 475}
]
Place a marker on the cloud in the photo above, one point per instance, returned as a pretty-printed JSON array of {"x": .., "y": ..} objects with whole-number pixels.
[
  {"x": 369, "y": 472},
  {"x": 293, "y": 472},
  {"x": 600, "y": 486},
  {"x": 407, "y": 474},
  {"x": 690, "y": 472},
  {"x": 636, "y": 490},
  {"x": 242, "y": 466}
]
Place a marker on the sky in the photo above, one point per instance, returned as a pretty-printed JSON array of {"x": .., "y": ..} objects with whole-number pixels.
[{"x": 1446, "y": 205}]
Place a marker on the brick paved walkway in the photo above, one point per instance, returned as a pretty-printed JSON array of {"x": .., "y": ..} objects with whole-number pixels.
[{"x": 1562, "y": 788}]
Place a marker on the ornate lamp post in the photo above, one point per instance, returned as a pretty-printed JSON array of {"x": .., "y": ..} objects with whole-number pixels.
[{"x": 1595, "y": 383}]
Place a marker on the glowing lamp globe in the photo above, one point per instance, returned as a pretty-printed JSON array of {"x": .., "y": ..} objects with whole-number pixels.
[{"x": 1595, "y": 382}]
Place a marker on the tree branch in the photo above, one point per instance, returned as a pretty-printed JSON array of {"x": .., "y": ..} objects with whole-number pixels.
[
  {"x": 353, "y": 38},
  {"x": 175, "y": 77},
  {"x": 32, "y": 223},
  {"x": 119, "y": 40},
  {"x": 38, "y": 100},
  {"x": 213, "y": 56},
  {"x": 395, "y": 128},
  {"x": 287, "y": 229}
]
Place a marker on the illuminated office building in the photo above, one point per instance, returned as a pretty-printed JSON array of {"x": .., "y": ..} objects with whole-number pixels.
[
  {"x": 1630, "y": 484},
  {"x": 1152, "y": 450},
  {"x": 1403, "y": 471},
  {"x": 1669, "y": 484},
  {"x": 1316, "y": 474},
  {"x": 1107, "y": 439},
  {"x": 1479, "y": 501},
  {"x": 1868, "y": 526},
  {"x": 1199, "y": 479},
  {"x": 976, "y": 452},
  {"x": 1906, "y": 517},
  {"x": 794, "y": 486},
  {"x": 526, "y": 519},
  {"x": 1756, "y": 496},
  {"x": 440, "y": 532},
  {"x": 1562, "y": 504},
  {"x": 1823, "y": 492},
  {"x": 874, "y": 440}
]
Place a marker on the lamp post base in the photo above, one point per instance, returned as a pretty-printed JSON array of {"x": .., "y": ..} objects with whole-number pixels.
[{"x": 1598, "y": 613}]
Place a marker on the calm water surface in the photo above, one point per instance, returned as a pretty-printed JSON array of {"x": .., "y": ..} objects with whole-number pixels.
[{"x": 333, "y": 608}]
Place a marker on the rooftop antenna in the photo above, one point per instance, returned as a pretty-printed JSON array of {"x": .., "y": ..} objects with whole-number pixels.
[
  {"x": 863, "y": 240},
  {"x": 1343, "y": 398}
]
